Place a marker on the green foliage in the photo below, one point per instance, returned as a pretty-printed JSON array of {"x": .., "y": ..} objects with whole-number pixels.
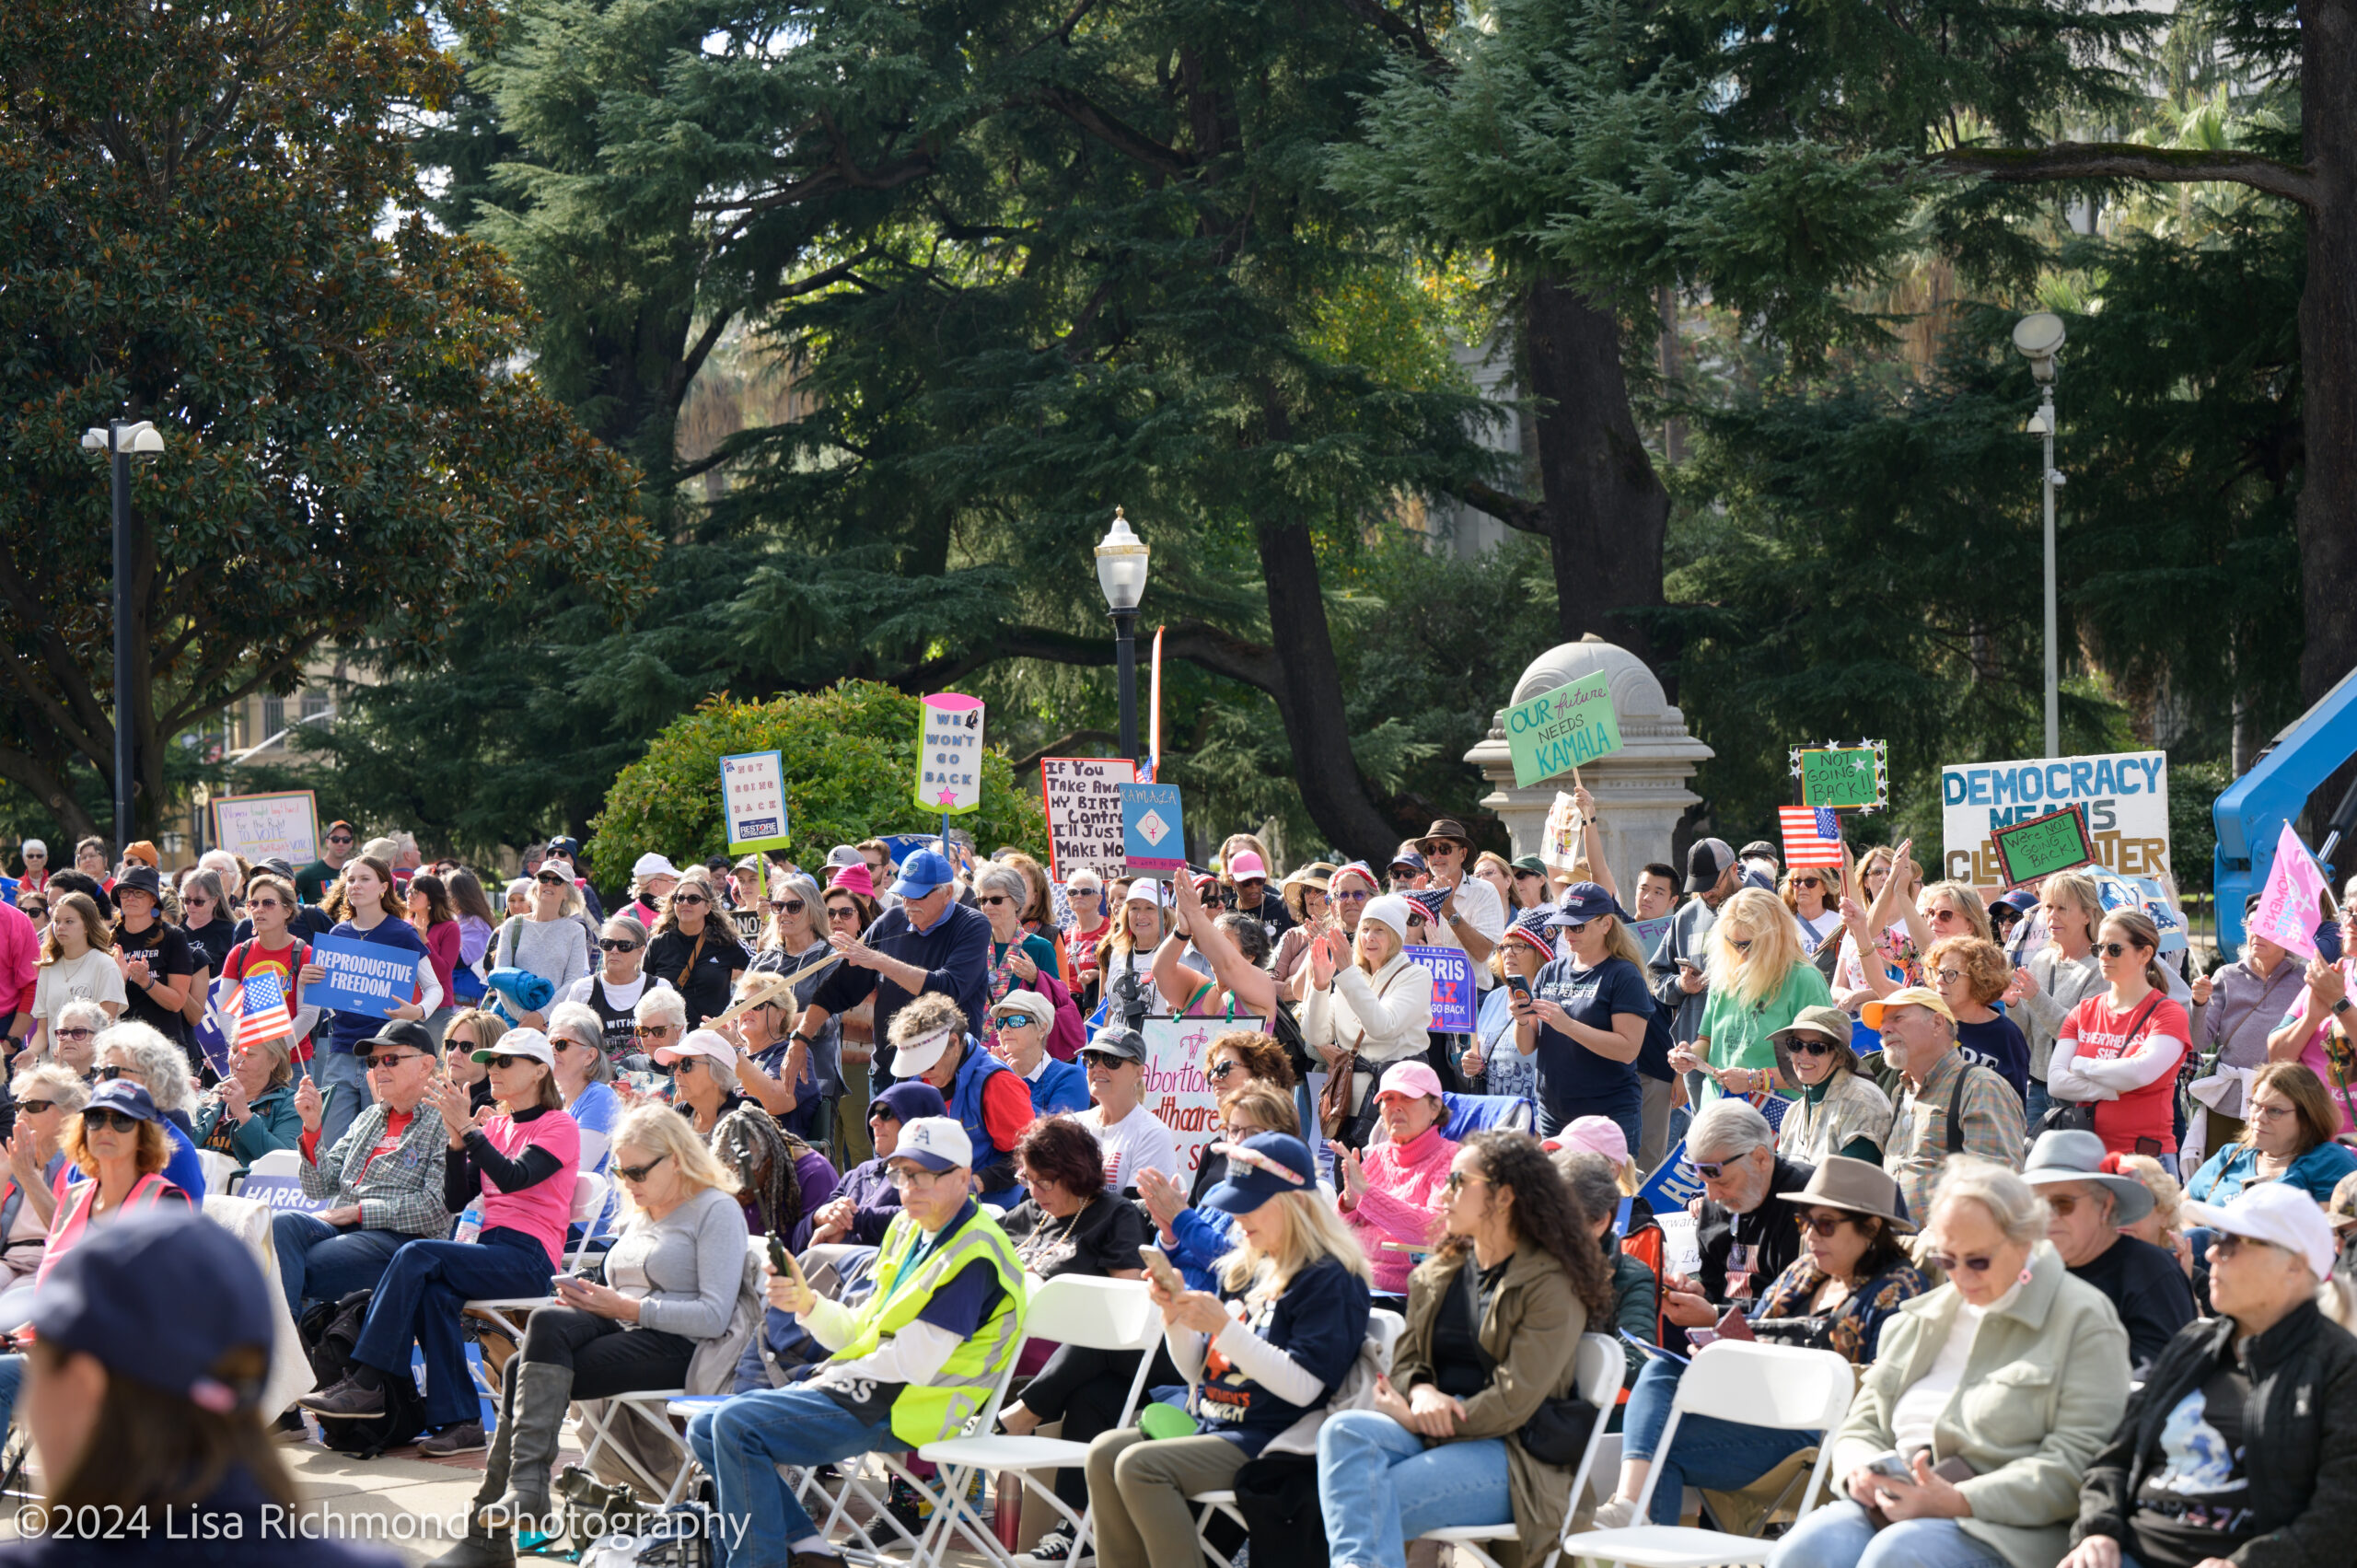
[{"x": 850, "y": 757}]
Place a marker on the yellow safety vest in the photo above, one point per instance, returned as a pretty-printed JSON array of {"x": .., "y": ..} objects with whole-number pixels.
[{"x": 929, "y": 1412}]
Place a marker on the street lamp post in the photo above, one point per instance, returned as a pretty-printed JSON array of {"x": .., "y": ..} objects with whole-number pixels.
[
  {"x": 1120, "y": 572},
  {"x": 2038, "y": 338},
  {"x": 121, "y": 441}
]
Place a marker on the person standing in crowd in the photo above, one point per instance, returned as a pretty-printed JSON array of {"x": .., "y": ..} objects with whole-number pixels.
[
  {"x": 2119, "y": 1050},
  {"x": 1495, "y": 1060},
  {"x": 75, "y": 966},
  {"x": 1681, "y": 964},
  {"x": 2005, "y": 917},
  {"x": 1747, "y": 1225},
  {"x": 695, "y": 948},
  {"x": 2289, "y": 1138},
  {"x": 1017, "y": 958},
  {"x": 613, "y": 992},
  {"x": 1092, "y": 922},
  {"x": 1022, "y": 1019},
  {"x": 1886, "y": 948},
  {"x": 2234, "y": 1009},
  {"x": 312, "y": 883},
  {"x": 798, "y": 940},
  {"x": 1362, "y": 1016},
  {"x": 1970, "y": 974},
  {"x": 930, "y": 944},
  {"x": 36, "y": 872},
  {"x": 1531, "y": 888},
  {"x": 204, "y": 919},
  {"x": 2241, "y": 1444},
  {"x": 1475, "y": 916},
  {"x": 984, "y": 1098},
  {"x": 2012, "y": 1367},
  {"x": 566, "y": 852},
  {"x": 1809, "y": 893},
  {"x": 478, "y": 924},
  {"x": 1584, "y": 1022},
  {"x": 436, "y": 924},
  {"x": 159, "y": 965},
  {"x": 2059, "y": 975},
  {"x": 1306, "y": 905},
  {"x": 251, "y": 1110},
  {"x": 2316, "y": 1033},
  {"x": 1759, "y": 982},
  {"x": 1838, "y": 1110},
  {"x": 91, "y": 860},
  {"x": 1947, "y": 1105},
  {"x": 549, "y": 941},
  {"x": 1494, "y": 868},
  {"x": 270, "y": 950},
  {"x": 1132, "y": 1138},
  {"x": 652, "y": 877},
  {"x": 1407, "y": 872},
  {"x": 372, "y": 913}
]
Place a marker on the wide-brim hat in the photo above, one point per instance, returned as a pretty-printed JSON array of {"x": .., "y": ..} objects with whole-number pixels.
[
  {"x": 2074, "y": 1156},
  {"x": 1445, "y": 829},
  {"x": 1857, "y": 1187},
  {"x": 1827, "y": 1023}
]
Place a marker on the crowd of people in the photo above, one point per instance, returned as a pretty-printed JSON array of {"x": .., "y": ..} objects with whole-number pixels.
[{"x": 1951, "y": 1141}]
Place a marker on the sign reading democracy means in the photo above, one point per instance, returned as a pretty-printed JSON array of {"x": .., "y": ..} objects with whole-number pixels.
[
  {"x": 363, "y": 977},
  {"x": 1154, "y": 835},
  {"x": 2126, "y": 796},
  {"x": 949, "y": 753},
  {"x": 1454, "y": 1000},
  {"x": 2044, "y": 845},
  {"x": 1083, "y": 796},
  {"x": 753, "y": 799},
  {"x": 283, "y": 826},
  {"x": 1557, "y": 731}
]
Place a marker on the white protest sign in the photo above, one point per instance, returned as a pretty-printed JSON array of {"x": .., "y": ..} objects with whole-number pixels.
[
  {"x": 949, "y": 753},
  {"x": 752, "y": 800},
  {"x": 2125, "y": 796},
  {"x": 1083, "y": 796},
  {"x": 283, "y": 826},
  {"x": 1176, "y": 1089},
  {"x": 283, "y": 1194}
]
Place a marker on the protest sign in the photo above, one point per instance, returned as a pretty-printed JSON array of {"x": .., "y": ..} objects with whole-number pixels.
[
  {"x": 283, "y": 826},
  {"x": 1454, "y": 1000},
  {"x": 1083, "y": 796},
  {"x": 1563, "y": 729},
  {"x": 1559, "y": 841},
  {"x": 2126, "y": 796},
  {"x": 1674, "y": 1183},
  {"x": 949, "y": 753},
  {"x": 2289, "y": 908},
  {"x": 363, "y": 977},
  {"x": 2044, "y": 845},
  {"x": 1648, "y": 933},
  {"x": 752, "y": 799},
  {"x": 283, "y": 1194},
  {"x": 1175, "y": 1088},
  {"x": 1154, "y": 835},
  {"x": 1847, "y": 778}
]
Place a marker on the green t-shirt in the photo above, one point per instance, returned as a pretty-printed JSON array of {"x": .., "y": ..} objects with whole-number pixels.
[{"x": 1739, "y": 1032}]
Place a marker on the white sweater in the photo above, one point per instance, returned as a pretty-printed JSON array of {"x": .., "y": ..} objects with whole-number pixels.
[{"x": 1384, "y": 1019}]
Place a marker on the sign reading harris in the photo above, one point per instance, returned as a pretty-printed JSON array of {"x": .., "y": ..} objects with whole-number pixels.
[
  {"x": 2125, "y": 796},
  {"x": 1083, "y": 796},
  {"x": 1557, "y": 731},
  {"x": 1455, "y": 1002},
  {"x": 949, "y": 753},
  {"x": 363, "y": 977},
  {"x": 753, "y": 799}
]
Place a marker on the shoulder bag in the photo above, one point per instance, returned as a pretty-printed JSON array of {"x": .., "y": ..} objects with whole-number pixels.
[
  {"x": 2066, "y": 1116},
  {"x": 1558, "y": 1431}
]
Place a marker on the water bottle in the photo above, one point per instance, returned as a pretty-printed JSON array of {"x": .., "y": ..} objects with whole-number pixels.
[{"x": 469, "y": 1223}]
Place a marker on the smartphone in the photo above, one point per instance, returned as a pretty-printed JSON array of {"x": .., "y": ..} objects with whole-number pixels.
[
  {"x": 1891, "y": 1464},
  {"x": 1698, "y": 1338},
  {"x": 1160, "y": 1267},
  {"x": 785, "y": 1263},
  {"x": 1518, "y": 986}
]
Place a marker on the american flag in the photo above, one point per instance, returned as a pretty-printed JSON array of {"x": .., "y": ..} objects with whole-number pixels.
[
  {"x": 1812, "y": 835},
  {"x": 261, "y": 1010}
]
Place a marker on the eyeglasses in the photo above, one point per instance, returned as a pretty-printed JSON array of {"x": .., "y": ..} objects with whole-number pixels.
[
  {"x": 2272, "y": 1112},
  {"x": 74, "y": 1034},
  {"x": 1812, "y": 1046},
  {"x": 35, "y": 1107},
  {"x": 108, "y": 1074},
  {"x": 1351, "y": 896},
  {"x": 2111, "y": 949},
  {"x": 115, "y": 1120},
  {"x": 678, "y": 899},
  {"x": 1219, "y": 1073},
  {"x": 635, "y": 1174},
  {"x": 907, "y": 1178},
  {"x": 1949, "y": 977},
  {"x": 389, "y": 1059},
  {"x": 1948, "y": 1264},
  {"x": 993, "y": 900},
  {"x": 1942, "y": 915},
  {"x": 654, "y": 1031},
  {"x": 1821, "y": 1226},
  {"x": 253, "y": 904},
  {"x": 2064, "y": 1204},
  {"x": 608, "y": 944},
  {"x": 1457, "y": 1180},
  {"x": 2226, "y": 1244}
]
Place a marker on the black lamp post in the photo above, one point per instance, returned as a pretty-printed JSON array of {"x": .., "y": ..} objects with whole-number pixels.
[
  {"x": 121, "y": 441},
  {"x": 1120, "y": 572}
]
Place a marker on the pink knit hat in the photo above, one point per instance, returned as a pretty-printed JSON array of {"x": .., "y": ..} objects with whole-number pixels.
[
  {"x": 854, "y": 880},
  {"x": 1594, "y": 1135}
]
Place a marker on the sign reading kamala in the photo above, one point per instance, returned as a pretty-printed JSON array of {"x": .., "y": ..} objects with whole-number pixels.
[
  {"x": 2125, "y": 796},
  {"x": 363, "y": 977},
  {"x": 1083, "y": 796},
  {"x": 1153, "y": 836},
  {"x": 1557, "y": 731}
]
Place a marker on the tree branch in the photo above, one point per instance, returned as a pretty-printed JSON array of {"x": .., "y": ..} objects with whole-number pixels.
[
  {"x": 1131, "y": 143},
  {"x": 1199, "y": 643},
  {"x": 2131, "y": 161},
  {"x": 1399, "y": 29},
  {"x": 1062, "y": 747},
  {"x": 1512, "y": 510}
]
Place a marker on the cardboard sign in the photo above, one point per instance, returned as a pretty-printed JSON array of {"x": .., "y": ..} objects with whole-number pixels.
[
  {"x": 2288, "y": 909},
  {"x": 1083, "y": 796},
  {"x": 2044, "y": 845},
  {"x": 1557, "y": 731},
  {"x": 285, "y": 825},
  {"x": 949, "y": 753},
  {"x": 753, "y": 799},
  {"x": 2125, "y": 796},
  {"x": 1175, "y": 1088},
  {"x": 1560, "y": 841},
  {"x": 1454, "y": 1001},
  {"x": 1154, "y": 834},
  {"x": 363, "y": 977},
  {"x": 1847, "y": 778}
]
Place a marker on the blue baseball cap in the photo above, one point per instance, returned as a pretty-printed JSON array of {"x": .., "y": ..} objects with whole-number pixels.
[
  {"x": 2020, "y": 899},
  {"x": 160, "y": 1297},
  {"x": 1259, "y": 1168},
  {"x": 1581, "y": 902},
  {"x": 907, "y": 1101},
  {"x": 922, "y": 873},
  {"x": 121, "y": 1094}
]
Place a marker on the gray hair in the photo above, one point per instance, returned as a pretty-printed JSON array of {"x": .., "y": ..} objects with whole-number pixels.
[
  {"x": 224, "y": 864},
  {"x": 51, "y": 1080},
  {"x": 1596, "y": 1186},
  {"x": 801, "y": 886},
  {"x": 2010, "y": 1201},
  {"x": 1005, "y": 879},
  {"x": 209, "y": 883},
  {"x": 1251, "y": 937},
  {"x": 82, "y": 1011},
  {"x": 660, "y": 1005},
  {"x": 627, "y": 926},
  {"x": 578, "y": 1022},
  {"x": 162, "y": 1065},
  {"x": 1729, "y": 1128}
]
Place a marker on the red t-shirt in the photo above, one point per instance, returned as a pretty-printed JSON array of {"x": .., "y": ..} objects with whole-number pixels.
[
  {"x": 2105, "y": 1035},
  {"x": 250, "y": 958}
]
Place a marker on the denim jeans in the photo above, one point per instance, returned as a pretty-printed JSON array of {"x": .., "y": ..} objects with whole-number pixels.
[
  {"x": 1379, "y": 1487},
  {"x": 418, "y": 1298},
  {"x": 319, "y": 1262},
  {"x": 741, "y": 1444},
  {"x": 343, "y": 1083},
  {"x": 1838, "y": 1536},
  {"x": 12, "y": 1383},
  {"x": 2036, "y": 1103},
  {"x": 1723, "y": 1456}
]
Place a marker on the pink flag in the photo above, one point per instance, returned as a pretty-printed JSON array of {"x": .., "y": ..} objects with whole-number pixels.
[{"x": 2289, "y": 908}]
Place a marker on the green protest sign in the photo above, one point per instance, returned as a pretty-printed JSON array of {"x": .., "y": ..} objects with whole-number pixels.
[
  {"x": 1848, "y": 778},
  {"x": 2044, "y": 845},
  {"x": 1563, "y": 729}
]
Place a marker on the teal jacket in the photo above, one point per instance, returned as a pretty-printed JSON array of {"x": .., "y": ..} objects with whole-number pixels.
[{"x": 273, "y": 1124}]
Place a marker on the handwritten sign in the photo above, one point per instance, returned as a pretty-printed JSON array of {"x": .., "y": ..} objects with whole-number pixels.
[
  {"x": 1648, "y": 933},
  {"x": 2125, "y": 796},
  {"x": 1154, "y": 835},
  {"x": 1561, "y": 842},
  {"x": 2044, "y": 845},
  {"x": 283, "y": 826},
  {"x": 1563, "y": 729},
  {"x": 1175, "y": 1088},
  {"x": 1847, "y": 778},
  {"x": 2288, "y": 910},
  {"x": 1454, "y": 999},
  {"x": 1083, "y": 795},
  {"x": 949, "y": 753},
  {"x": 753, "y": 798},
  {"x": 363, "y": 977}
]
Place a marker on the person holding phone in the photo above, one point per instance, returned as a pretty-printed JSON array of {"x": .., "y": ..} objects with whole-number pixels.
[
  {"x": 1494, "y": 1060},
  {"x": 1585, "y": 1024}
]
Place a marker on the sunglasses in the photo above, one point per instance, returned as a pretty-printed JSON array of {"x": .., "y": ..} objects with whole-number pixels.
[
  {"x": 2228, "y": 1244},
  {"x": 1220, "y": 1073},
  {"x": 2112, "y": 950},
  {"x": 339, "y": 838},
  {"x": 688, "y": 898},
  {"x": 654, "y": 1031},
  {"x": 263, "y": 904},
  {"x": 1807, "y": 882},
  {"x": 107, "y": 1075},
  {"x": 1942, "y": 915},
  {"x": 635, "y": 1174},
  {"x": 2064, "y": 1204},
  {"x": 1947, "y": 1264},
  {"x": 1813, "y": 1046},
  {"x": 1098, "y": 1059},
  {"x": 791, "y": 906},
  {"x": 74, "y": 1034},
  {"x": 1351, "y": 897},
  {"x": 1013, "y": 1020},
  {"x": 608, "y": 944},
  {"x": 1575, "y": 926},
  {"x": 504, "y": 1062},
  {"x": 117, "y": 1121},
  {"x": 389, "y": 1059},
  {"x": 1821, "y": 1227},
  {"x": 1457, "y": 1180},
  {"x": 1081, "y": 893},
  {"x": 993, "y": 900},
  {"x": 842, "y": 911},
  {"x": 551, "y": 881},
  {"x": 35, "y": 1107},
  {"x": 1741, "y": 947},
  {"x": 1714, "y": 1169}
]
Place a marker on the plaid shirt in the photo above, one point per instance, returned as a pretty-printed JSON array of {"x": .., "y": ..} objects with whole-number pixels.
[
  {"x": 1993, "y": 1127},
  {"x": 401, "y": 1191}
]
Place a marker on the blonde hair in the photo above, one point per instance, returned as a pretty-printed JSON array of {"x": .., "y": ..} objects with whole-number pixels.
[
  {"x": 490, "y": 1027},
  {"x": 1314, "y": 1230},
  {"x": 1753, "y": 979},
  {"x": 2076, "y": 887},
  {"x": 1620, "y": 943},
  {"x": 1968, "y": 904},
  {"x": 660, "y": 1130},
  {"x": 65, "y": 1085},
  {"x": 2168, "y": 1198},
  {"x": 85, "y": 910}
]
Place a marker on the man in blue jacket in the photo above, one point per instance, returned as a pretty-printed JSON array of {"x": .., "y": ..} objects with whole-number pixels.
[{"x": 932, "y": 943}]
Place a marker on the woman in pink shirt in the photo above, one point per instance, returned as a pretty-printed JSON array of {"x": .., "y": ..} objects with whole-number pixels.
[
  {"x": 517, "y": 1161},
  {"x": 1398, "y": 1191}
]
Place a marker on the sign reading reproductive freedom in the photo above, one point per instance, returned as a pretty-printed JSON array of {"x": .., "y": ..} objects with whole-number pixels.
[
  {"x": 1454, "y": 1000},
  {"x": 363, "y": 977},
  {"x": 1153, "y": 836},
  {"x": 1557, "y": 731},
  {"x": 949, "y": 753},
  {"x": 268, "y": 827},
  {"x": 753, "y": 798},
  {"x": 1083, "y": 795},
  {"x": 2126, "y": 796}
]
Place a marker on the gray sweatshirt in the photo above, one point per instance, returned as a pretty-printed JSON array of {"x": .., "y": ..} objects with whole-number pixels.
[
  {"x": 556, "y": 951},
  {"x": 684, "y": 1268},
  {"x": 1688, "y": 937}
]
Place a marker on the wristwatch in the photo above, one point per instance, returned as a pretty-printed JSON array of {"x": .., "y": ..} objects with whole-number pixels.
[
  {"x": 2341, "y": 1005},
  {"x": 807, "y": 1039}
]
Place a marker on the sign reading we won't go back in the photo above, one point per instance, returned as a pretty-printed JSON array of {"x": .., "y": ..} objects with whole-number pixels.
[{"x": 949, "y": 753}]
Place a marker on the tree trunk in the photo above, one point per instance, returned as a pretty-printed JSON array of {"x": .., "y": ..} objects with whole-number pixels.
[
  {"x": 1606, "y": 507},
  {"x": 2328, "y": 531}
]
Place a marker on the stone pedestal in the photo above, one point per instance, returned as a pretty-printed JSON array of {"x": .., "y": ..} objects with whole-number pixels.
[{"x": 1640, "y": 790}]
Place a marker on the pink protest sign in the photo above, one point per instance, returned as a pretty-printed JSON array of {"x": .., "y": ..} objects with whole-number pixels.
[{"x": 2288, "y": 910}]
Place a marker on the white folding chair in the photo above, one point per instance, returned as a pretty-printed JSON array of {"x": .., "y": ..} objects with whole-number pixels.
[
  {"x": 1074, "y": 1309},
  {"x": 1596, "y": 1376},
  {"x": 506, "y": 1314},
  {"x": 277, "y": 1162},
  {"x": 217, "y": 1167},
  {"x": 1778, "y": 1387}
]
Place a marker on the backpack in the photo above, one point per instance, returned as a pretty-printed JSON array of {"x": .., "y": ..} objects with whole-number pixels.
[{"x": 329, "y": 1332}]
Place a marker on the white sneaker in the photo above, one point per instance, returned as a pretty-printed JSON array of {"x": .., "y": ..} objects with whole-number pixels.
[{"x": 1616, "y": 1514}]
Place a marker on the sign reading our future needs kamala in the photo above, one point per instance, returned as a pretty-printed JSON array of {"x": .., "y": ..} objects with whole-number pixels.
[
  {"x": 2125, "y": 797},
  {"x": 1559, "y": 730}
]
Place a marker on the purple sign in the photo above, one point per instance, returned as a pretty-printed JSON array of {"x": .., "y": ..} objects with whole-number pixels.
[{"x": 1454, "y": 1001}]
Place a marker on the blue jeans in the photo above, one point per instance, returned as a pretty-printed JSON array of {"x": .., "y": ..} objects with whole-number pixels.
[
  {"x": 418, "y": 1298},
  {"x": 2038, "y": 1102},
  {"x": 1725, "y": 1456},
  {"x": 1838, "y": 1536},
  {"x": 343, "y": 1083},
  {"x": 1379, "y": 1487},
  {"x": 12, "y": 1382},
  {"x": 319, "y": 1262},
  {"x": 741, "y": 1444}
]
